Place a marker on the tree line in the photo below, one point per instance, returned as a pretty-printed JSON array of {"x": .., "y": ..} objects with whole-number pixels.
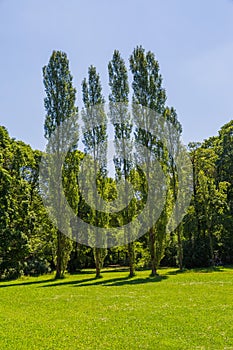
[{"x": 31, "y": 244}]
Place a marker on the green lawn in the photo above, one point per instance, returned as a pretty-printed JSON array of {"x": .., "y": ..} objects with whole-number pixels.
[{"x": 189, "y": 310}]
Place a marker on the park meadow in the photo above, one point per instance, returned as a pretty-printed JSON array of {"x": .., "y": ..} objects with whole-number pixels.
[{"x": 174, "y": 310}]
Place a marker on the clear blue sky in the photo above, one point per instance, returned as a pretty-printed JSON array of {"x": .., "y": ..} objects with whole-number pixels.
[{"x": 192, "y": 40}]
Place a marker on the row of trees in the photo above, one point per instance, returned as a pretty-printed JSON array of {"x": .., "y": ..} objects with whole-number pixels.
[{"x": 31, "y": 244}]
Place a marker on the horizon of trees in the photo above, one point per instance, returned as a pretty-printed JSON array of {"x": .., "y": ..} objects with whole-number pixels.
[{"x": 31, "y": 244}]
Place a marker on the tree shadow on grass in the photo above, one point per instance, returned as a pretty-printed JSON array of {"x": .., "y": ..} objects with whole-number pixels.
[
  {"x": 5, "y": 284},
  {"x": 67, "y": 283},
  {"x": 176, "y": 272},
  {"x": 118, "y": 281},
  {"x": 82, "y": 272},
  {"x": 197, "y": 270},
  {"x": 55, "y": 282},
  {"x": 87, "y": 282},
  {"x": 208, "y": 269},
  {"x": 121, "y": 281},
  {"x": 10, "y": 283}
]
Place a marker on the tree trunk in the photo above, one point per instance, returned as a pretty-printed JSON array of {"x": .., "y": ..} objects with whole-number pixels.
[
  {"x": 180, "y": 248},
  {"x": 59, "y": 272},
  {"x": 98, "y": 263},
  {"x": 131, "y": 259},
  {"x": 152, "y": 252},
  {"x": 98, "y": 271},
  {"x": 196, "y": 205},
  {"x": 211, "y": 247}
]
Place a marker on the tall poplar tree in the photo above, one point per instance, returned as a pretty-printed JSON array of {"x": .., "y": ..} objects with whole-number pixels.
[
  {"x": 174, "y": 140},
  {"x": 95, "y": 141},
  {"x": 118, "y": 98},
  {"x": 60, "y": 107},
  {"x": 148, "y": 92}
]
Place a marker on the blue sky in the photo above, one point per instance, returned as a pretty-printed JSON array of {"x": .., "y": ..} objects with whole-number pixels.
[{"x": 192, "y": 40}]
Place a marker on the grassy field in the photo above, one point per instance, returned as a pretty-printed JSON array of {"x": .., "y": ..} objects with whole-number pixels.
[{"x": 189, "y": 310}]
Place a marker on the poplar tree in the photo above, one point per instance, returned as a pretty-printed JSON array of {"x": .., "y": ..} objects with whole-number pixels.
[
  {"x": 148, "y": 92},
  {"x": 95, "y": 141},
  {"x": 60, "y": 107},
  {"x": 174, "y": 140},
  {"x": 118, "y": 98}
]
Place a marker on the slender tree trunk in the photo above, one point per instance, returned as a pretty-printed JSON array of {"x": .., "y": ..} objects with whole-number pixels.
[
  {"x": 98, "y": 271},
  {"x": 131, "y": 259},
  {"x": 180, "y": 248},
  {"x": 130, "y": 244},
  {"x": 98, "y": 263},
  {"x": 196, "y": 206},
  {"x": 59, "y": 272},
  {"x": 211, "y": 244},
  {"x": 152, "y": 253}
]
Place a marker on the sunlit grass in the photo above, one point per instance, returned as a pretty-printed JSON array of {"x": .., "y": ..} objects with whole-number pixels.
[{"x": 189, "y": 310}]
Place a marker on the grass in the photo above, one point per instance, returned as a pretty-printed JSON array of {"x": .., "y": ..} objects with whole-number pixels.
[{"x": 189, "y": 310}]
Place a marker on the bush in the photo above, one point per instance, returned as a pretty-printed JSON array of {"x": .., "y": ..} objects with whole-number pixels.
[{"x": 36, "y": 266}]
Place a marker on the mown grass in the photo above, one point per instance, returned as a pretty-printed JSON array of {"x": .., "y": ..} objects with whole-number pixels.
[{"x": 189, "y": 310}]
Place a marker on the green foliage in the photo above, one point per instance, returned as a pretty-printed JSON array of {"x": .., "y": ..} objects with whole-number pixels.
[
  {"x": 60, "y": 93},
  {"x": 204, "y": 224},
  {"x": 22, "y": 214}
]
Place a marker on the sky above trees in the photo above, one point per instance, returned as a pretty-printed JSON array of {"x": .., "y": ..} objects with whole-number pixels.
[{"x": 192, "y": 41}]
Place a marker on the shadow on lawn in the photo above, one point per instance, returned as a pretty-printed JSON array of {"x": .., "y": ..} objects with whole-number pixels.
[
  {"x": 8, "y": 283},
  {"x": 125, "y": 281},
  {"x": 5, "y": 284},
  {"x": 120, "y": 281},
  {"x": 198, "y": 270}
]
